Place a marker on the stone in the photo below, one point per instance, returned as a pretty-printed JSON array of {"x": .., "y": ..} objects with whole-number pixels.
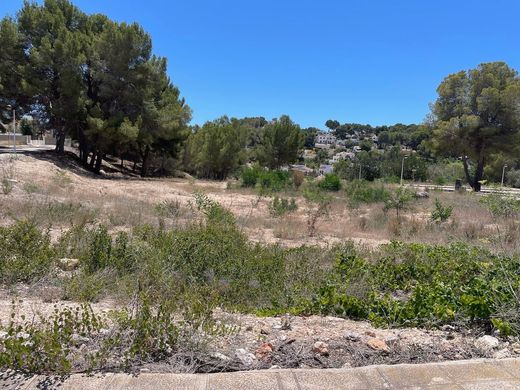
[
  {"x": 220, "y": 356},
  {"x": 370, "y": 333},
  {"x": 285, "y": 323},
  {"x": 516, "y": 348},
  {"x": 352, "y": 336},
  {"x": 320, "y": 348},
  {"x": 264, "y": 352},
  {"x": 487, "y": 343},
  {"x": 68, "y": 265},
  {"x": 502, "y": 354},
  {"x": 422, "y": 195},
  {"x": 391, "y": 340},
  {"x": 245, "y": 357},
  {"x": 79, "y": 339},
  {"x": 265, "y": 329},
  {"x": 378, "y": 345}
]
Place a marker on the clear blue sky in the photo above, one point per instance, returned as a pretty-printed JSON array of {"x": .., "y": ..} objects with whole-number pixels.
[{"x": 376, "y": 62}]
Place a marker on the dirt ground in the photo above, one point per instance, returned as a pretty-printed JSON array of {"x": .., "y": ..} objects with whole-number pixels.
[
  {"x": 42, "y": 183},
  {"x": 293, "y": 341},
  {"x": 122, "y": 202}
]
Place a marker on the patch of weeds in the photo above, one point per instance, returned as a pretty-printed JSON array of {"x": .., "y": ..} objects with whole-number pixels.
[
  {"x": 441, "y": 213},
  {"x": 31, "y": 188},
  {"x": 45, "y": 346},
  {"x": 25, "y": 252},
  {"x": 281, "y": 206},
  {"x": 61, "y": 179},
  {"x": 501, "y": 206}
]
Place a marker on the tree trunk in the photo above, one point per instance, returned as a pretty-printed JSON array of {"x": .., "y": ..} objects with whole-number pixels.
[
  {"x": 466, "y": 172},
  {"x": 92, "y": 160},
  {"x": 479, "y": 173},
  {"x": 99, "y": 160},
  {"x": 60, "y": 141},
  {"x": 475, "y": 182},
  {"x": 144, "y": 167}
]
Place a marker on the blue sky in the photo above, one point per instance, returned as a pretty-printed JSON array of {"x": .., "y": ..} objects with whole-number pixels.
[{"x": 376, "y": 62}]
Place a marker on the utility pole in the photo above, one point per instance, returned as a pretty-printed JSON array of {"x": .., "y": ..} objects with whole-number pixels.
[
  {"x": 14, "y": 131},
  {"x": 360, "y": 171},
  {"x": 503, "y": 175},
  {"x": 402, "y": 169}
]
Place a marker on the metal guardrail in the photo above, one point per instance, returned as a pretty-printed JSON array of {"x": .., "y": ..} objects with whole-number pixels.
[{"x": 484, "y": 190}]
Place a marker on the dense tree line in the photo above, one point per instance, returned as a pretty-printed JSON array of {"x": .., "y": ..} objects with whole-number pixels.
[{"x": 92, "y": 79}]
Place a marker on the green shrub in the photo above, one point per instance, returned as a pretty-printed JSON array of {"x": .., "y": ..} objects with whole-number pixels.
[
  {"x": 25, "y": 252},
  {"x": 441, "y": 213},
  {"x": 45, "y": 346},
  {"x": 361, "y": 191},
  {"x": 281, "y": 206},
  {"x": 331, "y": 182},
  {"x": 273, "y": 180},
  {"x": 249, "y": 176},
  {"x": 7, "y": 186},
  {"x": 501, "y": 206},
  {"x": 398, "y": 200}
]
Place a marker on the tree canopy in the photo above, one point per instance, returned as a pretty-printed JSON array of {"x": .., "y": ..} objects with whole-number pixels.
[
  {"x": 92, "y": 79},
  {"x": 476, "y": 114},
  {"x": 281, "y": 143}
]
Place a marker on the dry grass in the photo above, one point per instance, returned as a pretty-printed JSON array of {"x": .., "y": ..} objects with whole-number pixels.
[{"x": 59, "y": 194}]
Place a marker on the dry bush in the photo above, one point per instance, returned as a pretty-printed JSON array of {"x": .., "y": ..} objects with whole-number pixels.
[
  {"x": 394, "y": 226},
  {"x": 298, "y": 178},
  {"x": 289, "y": 229},
  {"x": 472, "y": 230}
]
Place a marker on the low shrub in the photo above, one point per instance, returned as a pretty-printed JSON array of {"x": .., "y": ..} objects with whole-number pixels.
[
  {"x": 25, "y": 252},
  {"x": 501, "y": 206},
  {"x": 441, "y": 213},
  {"x": 361, "y": 191},
  {"x": 273, "y": 180},
  {"x": 281, "y": 206},
  {"x": 331, "y": 182}
]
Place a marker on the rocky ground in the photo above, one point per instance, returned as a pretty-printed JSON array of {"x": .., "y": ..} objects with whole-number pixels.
[{"x": 296, "y": 341}]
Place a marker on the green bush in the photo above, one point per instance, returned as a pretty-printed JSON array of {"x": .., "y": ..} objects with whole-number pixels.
[
  {"x": 45, "y": 346},
  {"x": 361, "y": 191},
  {"x": 441, "y": 213},
  {"x": 331, "y": 182},
  {"x": 501, "y": 206},
  {"x": 25, "y": 253},
  {"x": 437, "y": 284},
  {"x": 273, "y": 180},
  {"x": 281, "y": 206}
]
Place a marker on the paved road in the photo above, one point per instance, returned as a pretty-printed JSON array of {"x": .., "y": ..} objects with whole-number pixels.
[{"x": 469, "y": 374}]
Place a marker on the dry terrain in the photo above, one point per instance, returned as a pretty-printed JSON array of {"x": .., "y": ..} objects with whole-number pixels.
[{"x": 58, "y": 194}]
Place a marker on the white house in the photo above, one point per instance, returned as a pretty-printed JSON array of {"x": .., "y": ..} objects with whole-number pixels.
[
  {"x": 342, "y": 156},
  {"x": 325, "y": 138}
]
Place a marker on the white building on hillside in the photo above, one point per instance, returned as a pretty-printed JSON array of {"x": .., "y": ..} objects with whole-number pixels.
[{"x": 325, "y": 138}]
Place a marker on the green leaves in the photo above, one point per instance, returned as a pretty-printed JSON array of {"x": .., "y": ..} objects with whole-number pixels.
[{"x": 476, "y": 114}]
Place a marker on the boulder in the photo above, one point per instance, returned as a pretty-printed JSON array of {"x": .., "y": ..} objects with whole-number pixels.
[
  {"x": 422, "y": 195},
  {"x": 245, "y": 357},
  {"x": 352, "y": 336},
  {"x": 487, "y": 343},
  {"x": 66, "y": 264},
  {"x": 378, "y": 345},
  {"x": 264, "y": 352},
  {"x": 320, "y": 348}
]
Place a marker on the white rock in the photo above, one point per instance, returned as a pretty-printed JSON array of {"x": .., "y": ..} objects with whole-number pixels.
[
  {"x": 502, "y": 354},
  {"x": 220, "y": 356},
  {"x": 352, "y": 336},
  {"x": 487, "y": 342},
  {"x": 247, "y": 358},
  {"x": 68, "y": 264}
]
